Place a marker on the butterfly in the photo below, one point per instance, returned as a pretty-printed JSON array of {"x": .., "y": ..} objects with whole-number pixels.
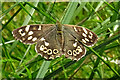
[{"x": 55, "y": 40}]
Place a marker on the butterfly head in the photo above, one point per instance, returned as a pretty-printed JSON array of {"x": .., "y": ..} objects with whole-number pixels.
[{"x": 58, "y": 26}]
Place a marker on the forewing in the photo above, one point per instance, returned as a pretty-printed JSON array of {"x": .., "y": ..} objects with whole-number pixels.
[
  {"x": 84, "y": 35},
  {"x": 31, "y": 33}
]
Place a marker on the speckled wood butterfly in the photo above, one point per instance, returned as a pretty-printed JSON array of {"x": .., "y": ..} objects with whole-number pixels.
[{"x": 56, "y": 40}]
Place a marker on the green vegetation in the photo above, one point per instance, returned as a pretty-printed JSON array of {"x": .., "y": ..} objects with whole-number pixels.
[{"x": 101, "y": 61}]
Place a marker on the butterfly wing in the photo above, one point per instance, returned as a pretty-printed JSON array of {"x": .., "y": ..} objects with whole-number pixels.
[
  {"x": 72, "y": 48},
  {"x": 84, "y": 35},
  {"x": 74, "y": 38},
  {"x": 31, "y": 33},
  {"x": 49, "y": 46}
]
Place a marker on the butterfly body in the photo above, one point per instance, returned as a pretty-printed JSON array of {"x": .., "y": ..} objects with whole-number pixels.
[{"x": 56, "y": 40}]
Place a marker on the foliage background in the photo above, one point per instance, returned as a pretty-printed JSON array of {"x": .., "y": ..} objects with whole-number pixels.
[{"x": 21, "y": 61}]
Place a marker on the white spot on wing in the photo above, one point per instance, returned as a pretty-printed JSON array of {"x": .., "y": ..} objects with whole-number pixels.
[
  {"x": 64, "y": 49},
  {"x": 22, "y": 34},
  {"x": 42, "y": 47},
  {"x": 12, "y": 32},
  {"x": 84, "y": 34},
  {"x": 69, "y": 52},
  {"x": 45, "y": 57},
  {"x": 49, "y": 51},
  {"x": 51, "y": 57},
  {"x": 91, "y": 33},
  {"x": 78, "y": 59},
  {"x": 75, "y": 58},
  {"x": 87, "y": 39},
  {"x": 20, "y": 31},
  {"x": 78, "y": 47},
  {"x": 20, "y": 40},
  {"x": 91, "y": 40},
  {"x": 74, "y": 53},
  {"x": 42, "y": 39},
  {"x": 55, "y": 51},
  {"x": 90, "y": 36},
  {"x": 40, "y": 54},
  {"x": 30, "y": 33},
  {"x": 85, "y": 30},
  {"x": 39, "y": 27},
  {"x": 27, "y": 28},
  {"x": 80, "y": 50},
  {"x": 71, "y": 57},
  {"x": 46, "y": 44},
  {"x": 45, "y": 50},
  {"x": 75, "y": 44},
  {"x": 83, "y": 40},
  {"x": 29, "y": 38},
  {"x": 75, "y": 29},
  {"x": 23, "y": 38},
  {"x": 34, "y": 39},
  {"x": 58, "y": 55},
  {"x": 75, "y": 39}
]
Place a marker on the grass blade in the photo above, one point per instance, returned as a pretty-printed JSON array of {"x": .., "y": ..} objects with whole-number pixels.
[
  {"x": 43, "y": 69},
  {"x": 11, "y": 18},
  {"x": 70, "y": 12}
]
